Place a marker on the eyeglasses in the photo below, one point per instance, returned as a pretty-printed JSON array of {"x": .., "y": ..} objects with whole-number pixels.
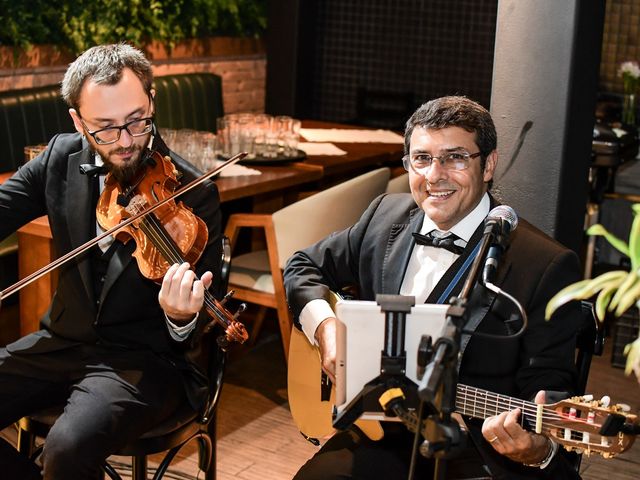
[
  {"x": 135, "y": 128},
  {"x": 421, "y": 162}
]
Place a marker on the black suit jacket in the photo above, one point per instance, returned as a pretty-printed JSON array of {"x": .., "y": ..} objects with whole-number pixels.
[
  {"x": 127, "y": 313},
  {"x": 374, "y": 253}
]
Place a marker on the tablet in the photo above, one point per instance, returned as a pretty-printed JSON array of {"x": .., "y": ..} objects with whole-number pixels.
[{"x": 360, "y": 342}]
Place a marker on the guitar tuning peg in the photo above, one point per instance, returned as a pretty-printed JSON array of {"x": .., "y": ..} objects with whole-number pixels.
[
  {"x": 605, "y": 401},
  {"x": 624, "y": 407},
  {"x": 587, "y": 398}
]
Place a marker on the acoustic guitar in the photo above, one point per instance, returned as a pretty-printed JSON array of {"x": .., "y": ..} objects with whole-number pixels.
[{"x": 574, "y": 423}]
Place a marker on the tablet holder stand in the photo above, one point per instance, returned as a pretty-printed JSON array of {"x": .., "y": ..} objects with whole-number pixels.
[{"x": 434, "y": 398}]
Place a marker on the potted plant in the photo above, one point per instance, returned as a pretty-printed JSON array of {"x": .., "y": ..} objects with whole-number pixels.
[
  {"x": 76, "y": 26},
  {"x": 615, "y": 291},
  {"x": 630, "y": 73}
]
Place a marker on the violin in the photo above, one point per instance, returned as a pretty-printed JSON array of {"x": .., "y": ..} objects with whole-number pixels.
[
  {"x": 165, "y": 232},
  {"x": 171, "y": 234}
]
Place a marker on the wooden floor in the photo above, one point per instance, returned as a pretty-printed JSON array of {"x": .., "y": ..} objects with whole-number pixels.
[{"x": 258, "y": 441}]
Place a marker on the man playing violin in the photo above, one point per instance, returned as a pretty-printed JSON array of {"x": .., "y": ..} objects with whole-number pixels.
[
  {"x": 450, "y": 147},
  {"x": 114, "y": 348}
]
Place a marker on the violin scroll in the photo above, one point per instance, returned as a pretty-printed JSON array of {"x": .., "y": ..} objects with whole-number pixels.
[{"x": 235, "y": 331}]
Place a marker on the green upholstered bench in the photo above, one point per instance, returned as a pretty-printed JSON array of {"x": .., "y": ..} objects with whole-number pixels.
[
  {"x": 32, "y": 116},
  {"x": 29, "y": 117},
  {"x": 190, "y": 100}
]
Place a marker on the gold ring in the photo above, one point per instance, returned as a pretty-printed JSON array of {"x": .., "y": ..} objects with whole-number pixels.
[{"x": 493, "y": 439}]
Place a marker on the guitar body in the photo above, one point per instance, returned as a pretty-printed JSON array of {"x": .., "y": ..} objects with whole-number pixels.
[{"x": 311, "y": 413}]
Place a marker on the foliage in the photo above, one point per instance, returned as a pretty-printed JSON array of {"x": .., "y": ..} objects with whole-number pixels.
[
  {"x": 81, "y": 24},
  {"x": 615, "y": 291}
]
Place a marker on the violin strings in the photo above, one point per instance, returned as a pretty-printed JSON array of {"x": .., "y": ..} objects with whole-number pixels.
[{"x": 151, "y": 226}]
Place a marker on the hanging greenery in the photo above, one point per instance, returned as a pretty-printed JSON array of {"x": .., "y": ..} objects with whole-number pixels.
[{"x": 80, "y": 24}]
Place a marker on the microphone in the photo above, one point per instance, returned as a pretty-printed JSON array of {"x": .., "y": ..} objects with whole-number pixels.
[
  {"x": 501, "y": 221},
  {"x": 497, "y": 226}
]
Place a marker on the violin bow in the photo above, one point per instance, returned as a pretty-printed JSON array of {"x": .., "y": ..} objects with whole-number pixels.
[{"x": 86, "y": 246}]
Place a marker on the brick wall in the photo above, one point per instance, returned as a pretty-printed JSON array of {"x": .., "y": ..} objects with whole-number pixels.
[{"x": 243, "y": 77}]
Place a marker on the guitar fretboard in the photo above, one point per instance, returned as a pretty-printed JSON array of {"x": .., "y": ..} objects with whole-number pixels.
[{"x": 479, "y": 403}]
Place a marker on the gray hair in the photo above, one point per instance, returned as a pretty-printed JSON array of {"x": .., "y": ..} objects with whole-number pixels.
[{"x": 103, "y": 64}]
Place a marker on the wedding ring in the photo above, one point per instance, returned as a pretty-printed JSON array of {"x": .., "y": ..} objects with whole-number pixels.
[{"x": 493, "y": 439}]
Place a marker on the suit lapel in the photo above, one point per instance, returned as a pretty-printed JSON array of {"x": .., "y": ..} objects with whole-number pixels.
[
  {"x": 79, "y": 204},
  {"x": 399, "y": 248},
  {"x": 121, "y": 257}
]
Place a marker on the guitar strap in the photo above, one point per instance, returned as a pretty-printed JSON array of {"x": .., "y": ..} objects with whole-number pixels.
[{"x": 451, "y": 282}]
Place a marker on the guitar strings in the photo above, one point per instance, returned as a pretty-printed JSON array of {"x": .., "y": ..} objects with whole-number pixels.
[{"x": 490, "y": 402}]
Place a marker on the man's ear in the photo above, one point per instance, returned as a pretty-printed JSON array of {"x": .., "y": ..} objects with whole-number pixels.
[
  {"x": 490, "y": 166},
  {"x": 76, "y": 120}
]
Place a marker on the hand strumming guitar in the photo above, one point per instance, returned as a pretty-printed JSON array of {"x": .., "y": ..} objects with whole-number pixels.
[{"x": 326, "y": 337}]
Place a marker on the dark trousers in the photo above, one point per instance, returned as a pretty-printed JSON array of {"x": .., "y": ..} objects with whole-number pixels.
[
  {"x": 110, "y": 397},
  {"x": 351, "y": 455}
]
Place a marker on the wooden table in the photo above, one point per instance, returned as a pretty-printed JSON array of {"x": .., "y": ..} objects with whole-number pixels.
[
  {"x": 35, "y": 248},
  {"x": 359, "y": 155}
]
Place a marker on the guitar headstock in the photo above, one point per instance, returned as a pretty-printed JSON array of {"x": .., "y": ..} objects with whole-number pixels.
[{"x": 590, "y": 426}]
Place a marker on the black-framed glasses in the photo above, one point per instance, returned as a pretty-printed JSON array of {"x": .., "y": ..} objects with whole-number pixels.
[
  {"x": 421, "y": 162},
  {"x": 108, "y": 135}
]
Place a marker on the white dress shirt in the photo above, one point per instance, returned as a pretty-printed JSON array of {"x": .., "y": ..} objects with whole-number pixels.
[{"x": 427, "y": 265}]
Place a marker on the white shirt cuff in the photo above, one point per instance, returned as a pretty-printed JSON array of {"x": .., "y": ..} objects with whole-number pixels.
[
  {"x": 182, "y": 332},
  {"x": 312, "y": 315},
  {"x": 554, "y": 451}
]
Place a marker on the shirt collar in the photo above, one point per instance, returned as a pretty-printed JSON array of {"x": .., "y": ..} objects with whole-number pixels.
[{"x": 465, "y": 227}]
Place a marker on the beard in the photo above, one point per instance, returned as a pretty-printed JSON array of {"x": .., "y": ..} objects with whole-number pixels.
[{"x": 125, "y": 173}]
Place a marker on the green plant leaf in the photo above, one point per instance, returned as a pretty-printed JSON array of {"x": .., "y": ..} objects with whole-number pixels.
[
  {"x": 630, "y": 297},
  {"x": 629, "y": 281},
  {"x": 583, "y": 289},
  {"x": 80, "y": 25},
  {"x": 634, "y": 238},
  {"x": 618, "y": 244},
  {"x": 603, "y": 299},
  {"x": 632, "y": 351}
]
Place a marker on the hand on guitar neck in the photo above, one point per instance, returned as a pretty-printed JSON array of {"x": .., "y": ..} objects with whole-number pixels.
[
  {"x": 326, "y": 337},
  {"x": 507, "y": 437}
]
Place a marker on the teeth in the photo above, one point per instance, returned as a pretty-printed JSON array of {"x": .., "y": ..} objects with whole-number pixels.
[{"x": 440, "y": 194}]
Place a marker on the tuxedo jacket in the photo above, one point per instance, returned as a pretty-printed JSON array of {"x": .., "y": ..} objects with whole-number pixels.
[
  {"x": 373, "y": 255},
  {"x": 125, "y": 314}
]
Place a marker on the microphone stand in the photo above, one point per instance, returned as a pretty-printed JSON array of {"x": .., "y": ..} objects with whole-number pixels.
[{"x": 438, "y": 386}]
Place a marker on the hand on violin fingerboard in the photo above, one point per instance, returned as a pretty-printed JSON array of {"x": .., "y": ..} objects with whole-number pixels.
[{"x": 181, "y": 294}]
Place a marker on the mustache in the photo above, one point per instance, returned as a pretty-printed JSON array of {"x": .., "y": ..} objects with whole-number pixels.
[{"x": 123, "y": 151}]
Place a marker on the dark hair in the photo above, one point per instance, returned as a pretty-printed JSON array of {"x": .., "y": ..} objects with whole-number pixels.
[
  {"x": 104, "y": 64},
  {"x": 455, "y": 111}
]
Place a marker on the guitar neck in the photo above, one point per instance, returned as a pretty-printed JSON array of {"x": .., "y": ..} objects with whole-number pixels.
[{"x": 478, "y": 403}]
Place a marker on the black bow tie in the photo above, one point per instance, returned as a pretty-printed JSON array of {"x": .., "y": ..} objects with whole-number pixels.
[
  {"x": 434, "y": 239},
  {"x": 92, "y": 170}
]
